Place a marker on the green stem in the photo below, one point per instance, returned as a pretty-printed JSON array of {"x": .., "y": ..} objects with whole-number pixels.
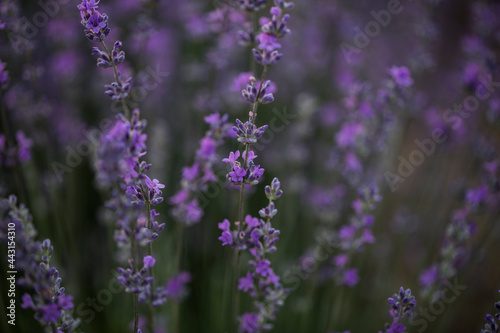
[
  {"x": 151, "y": 274},
  {"x": 136, "y": 312},
  {"x": 176, "y": 316},
  {"x": 256, "y": 103},
  {"x": 241, "y": 213},
  {"x": 134, "y": 264},
  {"x": 236, "y": 305},
  {"x": 117, "y": 78}
]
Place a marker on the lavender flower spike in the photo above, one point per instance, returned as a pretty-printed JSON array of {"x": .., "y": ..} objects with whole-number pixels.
[
  {"x": 402, "y": 305},
  {"x": 52, "y": 306}
]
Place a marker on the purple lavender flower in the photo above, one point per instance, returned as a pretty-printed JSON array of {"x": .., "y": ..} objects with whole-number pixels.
[
  {"x": 195, "y": 178},
  {"x": 243, "y": 175},
  {"x": 246, "y": 283},
  {"x": 402, "y": 305},
  {"x": 351, "y": 277},
  {"x": 266, "y": 53},
  {"x": 267, "y": 42},
  {"x": 247, "y": 132},
  {"x": 401, "y": 75},
  {"x": 176, "y": 286},
  {"x": 4, "y": 75},
  {"x": 258, "y": 92},
  {"x": 353, "y": 237},
  {"x": 96, "y": 24},
  {"x": 250, "y": 323},
  {"x": 429, "y": 276},
  {"x": 149, "y": 261}
]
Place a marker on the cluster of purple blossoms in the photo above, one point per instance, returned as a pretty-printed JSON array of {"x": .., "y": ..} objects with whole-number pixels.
[
  {"x": 257, "y": 92},
  {"x": 96, "y": 24},
  {"x": 246, "y": 173},
  {"x": 105, "y": 61},
  {"x": 176, "y": 286},
  {"x": 402, "y": 305},
  {"x": 11, "y": 156},
  {"x": 491, "y": 325},
  {"x": 266, "y": 52},
  {"x": 53, "y": 308},
  {"x": 195, "y": 179},
  {"x": 401, "y": 75},
  {"x": 260, "y": 282},
  {"x": 353, "y": 237}
]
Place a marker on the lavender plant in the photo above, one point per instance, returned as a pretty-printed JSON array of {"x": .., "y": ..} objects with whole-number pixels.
[
  {"x": 405, "y": 117},
  {"x": 265, "y": 49},
  {"x": 52, "y": 307},
  {"x": 119, "y": 166},
  {"x": 261, "y": 283}
]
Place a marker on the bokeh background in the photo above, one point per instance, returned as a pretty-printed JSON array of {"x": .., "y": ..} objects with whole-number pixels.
[{"x": 55, "y": 96}]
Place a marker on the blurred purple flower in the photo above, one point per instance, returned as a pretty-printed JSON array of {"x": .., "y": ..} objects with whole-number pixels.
[
  {"x": 351, "y": 277},
  {"x": 401, "y": 75}
]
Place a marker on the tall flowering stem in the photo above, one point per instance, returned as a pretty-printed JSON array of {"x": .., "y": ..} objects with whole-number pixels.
[
  {"x": 265, "y": 50},
  {"x": 261, "y": 283},
  {"x": 52, "y": 306},
  {"x": 120, "y": 169}
]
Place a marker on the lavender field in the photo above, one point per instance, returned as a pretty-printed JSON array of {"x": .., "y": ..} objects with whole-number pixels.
[{"x": 249, "y": 166}]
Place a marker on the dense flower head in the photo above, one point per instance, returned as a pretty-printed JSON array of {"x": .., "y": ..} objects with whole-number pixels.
[
  {"x": 239, "y": 174},
  {"x": 266, "y": 51},
  {"x": 276, "y": 27},
  {"x": 258, "y": 92},
  {"x": 104, "y": 60},
  {"x": 247, "y": 132},
  {"x": 402, "y": 305},
  {"x": 135, "y": 281},
  {"x": 118, "y": 91},
  {"x": 96, "y": 24},
  {"x": 145, "y": 191}
]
